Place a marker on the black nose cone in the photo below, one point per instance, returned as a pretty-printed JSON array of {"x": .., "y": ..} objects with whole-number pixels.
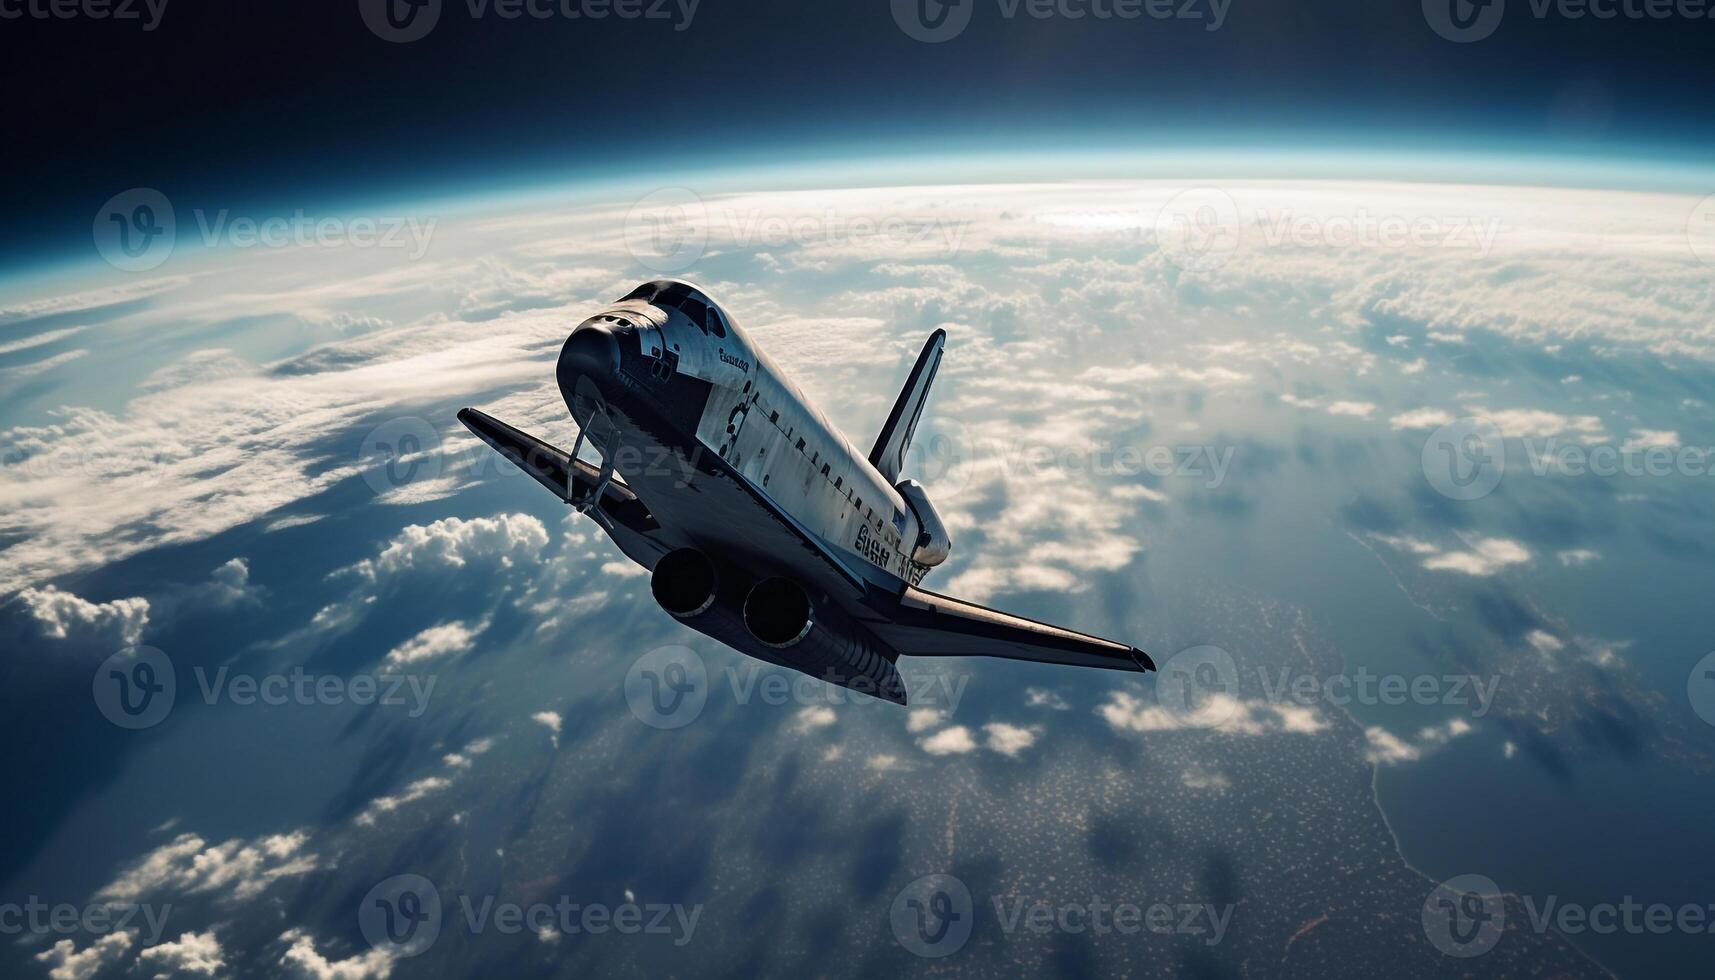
[{"x": 591, "y": 352}]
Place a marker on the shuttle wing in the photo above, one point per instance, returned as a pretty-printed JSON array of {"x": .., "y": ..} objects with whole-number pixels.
[
  {"x": 925, "y": 624},
  {"x": 629, "y": 521}
]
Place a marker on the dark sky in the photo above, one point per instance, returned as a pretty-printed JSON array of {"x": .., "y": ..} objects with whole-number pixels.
[{"x": 292, "y": 103}]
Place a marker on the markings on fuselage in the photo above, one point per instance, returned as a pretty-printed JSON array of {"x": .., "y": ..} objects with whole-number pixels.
[
  {"x": 873, "y": 548},
  {"x": 737, "y": 362}
]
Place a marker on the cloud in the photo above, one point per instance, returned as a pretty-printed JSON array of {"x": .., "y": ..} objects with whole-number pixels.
[
  {"x": 427, "y": 786},
  {"x": 193, "y": 953},
  {"x": 814, "y": 717},
  {"x": 238, "y": 869},
  {"x": 1217, "y": 712},
  {"x": 83, "y": 625},
  {"x": 1544, "y": 642},
  {"x": 38, "y": 340},
  {"x": 1643, "y": 439},
  {"x": 1574, "y": 557},
  {"x": 445, "y": 640},
  {"x": 551, "y": 721},
  {"x": 1036, "y": 697},
  {"x": 1485, "y": 557},
  {"x": 66, "y": 962},
  {"x": 1530, "y": 423},
  {"x": 413, "y": 791},
  {"x": 922, "y": 719},
  {"x": 1421, "y": 418},
  {"x": 451, "y": 543},
  {"x": 302, "y": 960},
  {"x": 1386, "y": 749},
  {"x": 1009, "y": 740},
  {"x": 1197, "y": 779},
  {"x": 229, "y": 585},
  {"x": 1354, "y": 409},
  {"x": 949, "y": 741}
]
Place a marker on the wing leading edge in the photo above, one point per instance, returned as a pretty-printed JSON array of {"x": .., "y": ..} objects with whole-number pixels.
[{"x": 926, "y": 624}]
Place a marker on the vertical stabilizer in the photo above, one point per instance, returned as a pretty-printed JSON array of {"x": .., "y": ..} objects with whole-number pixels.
[{"x": 888, "y": 456}]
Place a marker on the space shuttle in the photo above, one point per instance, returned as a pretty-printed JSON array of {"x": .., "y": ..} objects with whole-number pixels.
[{"x": 762, "y": 526}]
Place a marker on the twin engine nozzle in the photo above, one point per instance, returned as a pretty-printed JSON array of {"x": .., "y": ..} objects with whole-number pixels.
[
  {"x": 776, "y": 611},
  {"x": 775, "y": 620}
]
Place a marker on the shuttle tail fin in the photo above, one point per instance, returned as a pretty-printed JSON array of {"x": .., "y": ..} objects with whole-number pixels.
[{"x": 888, "y": 456}]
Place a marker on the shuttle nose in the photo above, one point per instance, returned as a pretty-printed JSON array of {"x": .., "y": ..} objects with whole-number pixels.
[{"x": 591, "y": 352}]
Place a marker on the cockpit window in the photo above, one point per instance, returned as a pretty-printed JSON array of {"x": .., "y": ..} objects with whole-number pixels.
[
  {"x": 673, "y": 294},
  {"x": 695, "y": 310},
  {"x": 644, "y": 292},
  {"x": 712, "y": 322}
]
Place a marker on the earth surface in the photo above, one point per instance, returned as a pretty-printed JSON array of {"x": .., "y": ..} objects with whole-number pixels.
[{"x": 1400, "y": 483}]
